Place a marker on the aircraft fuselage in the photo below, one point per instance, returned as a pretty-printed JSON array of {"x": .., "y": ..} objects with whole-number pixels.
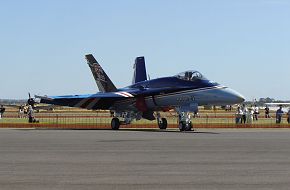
[{"x": 174, "y": 92}]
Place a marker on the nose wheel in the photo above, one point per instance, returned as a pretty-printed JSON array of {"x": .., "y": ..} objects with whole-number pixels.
[
  {"x": 183, "y": 126},
  {"x": 184, "y": 123}
]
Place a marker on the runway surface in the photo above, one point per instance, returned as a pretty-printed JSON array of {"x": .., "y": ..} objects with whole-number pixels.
[{"x": 149, "y": 159}]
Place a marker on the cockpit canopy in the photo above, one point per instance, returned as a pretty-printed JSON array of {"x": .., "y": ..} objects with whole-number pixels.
[{"x": 190, "y": 75}]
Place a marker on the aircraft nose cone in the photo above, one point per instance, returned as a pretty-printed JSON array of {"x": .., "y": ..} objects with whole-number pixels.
[
  {"x": 234, "y": 97},
  {"x": 241, "y": 99}
]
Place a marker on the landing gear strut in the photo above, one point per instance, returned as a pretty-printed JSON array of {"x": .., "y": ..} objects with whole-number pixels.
[
  {"x": 184, "y": 123},
  {"x": 162, "y": 122},
  {"x": 115, "y": 123}
]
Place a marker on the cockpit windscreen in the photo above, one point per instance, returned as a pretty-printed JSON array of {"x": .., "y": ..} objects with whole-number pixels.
[{"x": 190, "y": 75}]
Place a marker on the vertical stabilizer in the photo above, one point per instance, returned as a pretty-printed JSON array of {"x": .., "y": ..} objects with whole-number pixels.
[
  {"x": 139, "y": 70},
  {"x": 103, "y": 81}
]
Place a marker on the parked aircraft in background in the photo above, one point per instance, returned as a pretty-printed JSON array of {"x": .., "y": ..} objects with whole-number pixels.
[
  {"x": 35, "y": 105},
  {"x": 183, "y": 92},
  {"x": 31, "y": 102},
  {"x": 275, "y": 106}
]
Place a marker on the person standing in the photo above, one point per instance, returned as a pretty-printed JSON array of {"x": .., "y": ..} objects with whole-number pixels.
[
  {"x": 267, "y": 112},
  {"x": 25, "y": 109},
  {"x": 279, "y": 114},
  {"x": 288, "y": 116},
  {"x": 244, "y": 114},
  {"x": 20, "y": 112},
  {"x": 256, "y": 112},
  {"x": 239, "y": 114},
  {"x": 30, "y": 114},
  {"x": 250, "y": 114},
  {"x": 2, "y": 110}
]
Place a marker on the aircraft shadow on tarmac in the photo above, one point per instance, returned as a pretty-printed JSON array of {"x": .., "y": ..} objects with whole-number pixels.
[
  {"x": 169, "y": 131},
  {"x": 136, "y": 130},
  {"x": 156, "y": 131}
]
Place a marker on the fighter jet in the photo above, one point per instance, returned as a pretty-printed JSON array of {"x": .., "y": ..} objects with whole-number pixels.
[{"x": 145, "y": 98}]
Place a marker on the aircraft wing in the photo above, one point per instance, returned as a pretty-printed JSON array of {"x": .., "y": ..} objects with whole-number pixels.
[
  {"x": 89, "y": 101},
  {"x": 48, "y": 107},
  {"x": 102, "y": 100}
]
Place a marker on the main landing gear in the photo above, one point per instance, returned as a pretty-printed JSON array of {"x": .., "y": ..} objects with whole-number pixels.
[
  {"x": 115, "y": 123},
  {"x": 184, "y": 121},
  {"x": 162, "y": 122},
  {"x": 127, "y": 118}
]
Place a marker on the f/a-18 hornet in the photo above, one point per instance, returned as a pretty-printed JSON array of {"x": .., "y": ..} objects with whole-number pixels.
[{"x": 145, "y": 98}]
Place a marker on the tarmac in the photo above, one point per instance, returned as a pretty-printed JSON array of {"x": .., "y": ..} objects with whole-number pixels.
[{"x": 144, "y": 159}]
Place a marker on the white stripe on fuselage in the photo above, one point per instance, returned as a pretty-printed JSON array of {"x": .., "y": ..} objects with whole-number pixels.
[
  {"x": 189, "y": 91},
  {"x": 177, "y": 93},
  {"x": 124, "y": 94}
]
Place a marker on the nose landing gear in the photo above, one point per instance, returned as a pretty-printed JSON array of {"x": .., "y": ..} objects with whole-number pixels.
[
  {"x": 184, "y": 122},
  {"x": 183, "y": 126}
]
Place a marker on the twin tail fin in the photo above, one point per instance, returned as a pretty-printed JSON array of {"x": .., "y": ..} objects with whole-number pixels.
[
  {"x": 104, "y": 83},
  {"x": 139, "y": 70}
]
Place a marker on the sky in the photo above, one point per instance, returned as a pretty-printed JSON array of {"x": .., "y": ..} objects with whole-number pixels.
[{"x": 242, "y": 44}]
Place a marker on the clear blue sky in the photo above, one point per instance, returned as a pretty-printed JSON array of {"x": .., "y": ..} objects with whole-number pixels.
[{"x": 241, "y": 44}]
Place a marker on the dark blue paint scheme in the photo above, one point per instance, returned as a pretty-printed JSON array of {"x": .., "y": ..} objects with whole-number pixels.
[
  {"x": 183, "y": 92},
  {"x": 143, "y": 89}
]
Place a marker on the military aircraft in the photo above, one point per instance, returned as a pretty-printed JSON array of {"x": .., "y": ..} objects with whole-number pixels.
[
  {"x": 275, "y": 106},
  {"x": 35, "y": 105},
  {"x": 183, "y": 92},
  {"x": 31, "y": 102}
]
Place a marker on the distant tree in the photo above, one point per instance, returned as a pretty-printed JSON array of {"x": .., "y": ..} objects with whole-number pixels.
[
  {"x": 12, "y": 101},
  {"x": 266, "y": 100}
]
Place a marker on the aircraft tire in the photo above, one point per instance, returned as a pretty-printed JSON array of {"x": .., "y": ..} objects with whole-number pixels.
[
  {"x": 163, "y": 124},
  {"x": 181, "y": 126},
  {"x": 188, "y": 127},
  {"x": 115, "y": 123}
]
